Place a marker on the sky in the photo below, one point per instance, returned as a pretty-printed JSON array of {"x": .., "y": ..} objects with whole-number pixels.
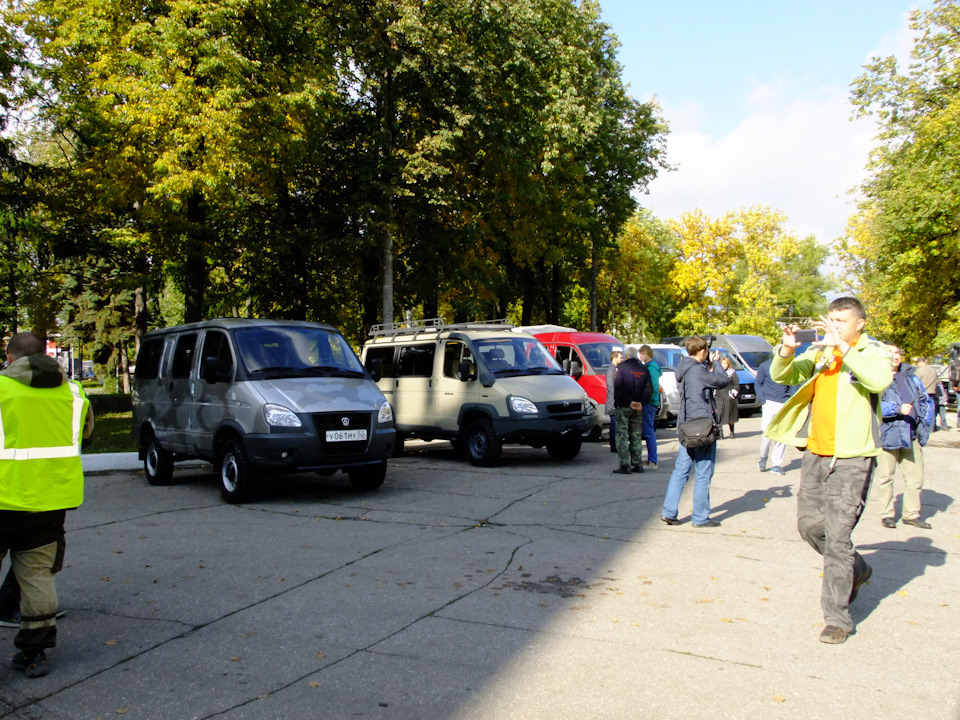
[{"x": 757, "y": 96}]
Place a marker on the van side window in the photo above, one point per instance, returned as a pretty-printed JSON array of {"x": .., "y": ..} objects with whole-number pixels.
[
  {"x": 416, "y": 360},
  {"x": 454, "y": 353},
  {"x": 183, "y": 356},
  {"x": 562, "y": 354},
  {"x": 385, "y": 356},
  {"x": 148, "y": 360},
  {"x": 216, "y": 344}
]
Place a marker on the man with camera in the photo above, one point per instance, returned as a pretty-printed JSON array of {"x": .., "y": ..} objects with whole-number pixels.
[{"x": 835, "y": 416}]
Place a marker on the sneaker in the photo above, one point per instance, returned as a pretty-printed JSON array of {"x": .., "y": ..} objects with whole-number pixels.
[
  {"x": 762, "y": 465},
  {"x": 833, "y": 635},
  {"x": 916, "y": 522},
  {"x": 777, "y": 470},
  {"x": 708, "y": 523},
  {"x": 32, "y": 667}
]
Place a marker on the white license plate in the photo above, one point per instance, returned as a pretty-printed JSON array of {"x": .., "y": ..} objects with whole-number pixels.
[{"x": 346, "y": 435}]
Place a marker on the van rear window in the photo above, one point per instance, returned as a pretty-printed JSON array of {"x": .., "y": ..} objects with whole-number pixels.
[{"x": 148, "y": 359}]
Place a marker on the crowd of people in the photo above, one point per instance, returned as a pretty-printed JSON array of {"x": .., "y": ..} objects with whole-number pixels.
[{"x": 848, "y": 402}]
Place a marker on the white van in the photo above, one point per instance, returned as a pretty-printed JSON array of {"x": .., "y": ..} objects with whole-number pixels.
[
  {"x": 478, "y": 385},
  {"x": 255, "y": 397}
]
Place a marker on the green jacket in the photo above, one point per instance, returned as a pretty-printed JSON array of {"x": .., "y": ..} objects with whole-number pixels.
[{"x": 867, "y": 371}]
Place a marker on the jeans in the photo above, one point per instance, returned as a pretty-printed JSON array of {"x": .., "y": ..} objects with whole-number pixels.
[
  {"x": 649, "y": 433},
  {"x": 613, "y": 429},
  {"x": 703, "y": 459}
]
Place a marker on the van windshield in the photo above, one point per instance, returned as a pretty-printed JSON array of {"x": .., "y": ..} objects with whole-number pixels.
[
  {"x": 668, "y": 357},
  {"x": 516, "y": 356},
  {"x": 756, "y": 358},
  {"x": 276, "y": 352},
  {"x": 734, "y": 361},
  {"x": 598, "y": 354}
]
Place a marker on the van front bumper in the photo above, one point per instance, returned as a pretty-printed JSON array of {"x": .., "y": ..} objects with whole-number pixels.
[
  {"x": 537, "y": 431},
  {"x": 291, "y": 452}
]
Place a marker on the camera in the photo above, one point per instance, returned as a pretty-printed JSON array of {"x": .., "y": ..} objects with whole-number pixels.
[{"x": 805, "y": 336}]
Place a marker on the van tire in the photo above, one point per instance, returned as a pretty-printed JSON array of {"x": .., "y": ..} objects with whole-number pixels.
[
  {"x": 157, "y": 463},
  {"x": 564, "y": 447},
  {"x": 233, "y": 469},
  {"x": 482, "y": 445},
  {"x": 368, "y": 477}
]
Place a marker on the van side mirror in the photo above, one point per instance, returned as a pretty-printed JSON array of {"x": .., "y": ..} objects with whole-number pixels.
[
  {"x": 575, "y": 369},
  {"x": 375, "y": 368},
  {"x": 466, "y": 371}
]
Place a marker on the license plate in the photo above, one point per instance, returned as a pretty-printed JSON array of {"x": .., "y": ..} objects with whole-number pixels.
[
  {"x": 748, "y": 397},
  {"x": 346, "y": 435}
]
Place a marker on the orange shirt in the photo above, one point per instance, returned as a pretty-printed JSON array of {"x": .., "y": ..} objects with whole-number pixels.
[{"x": 823, "y": 422}]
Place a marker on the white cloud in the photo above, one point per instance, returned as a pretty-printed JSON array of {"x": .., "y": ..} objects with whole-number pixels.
[{"x": 800, "y": 155}]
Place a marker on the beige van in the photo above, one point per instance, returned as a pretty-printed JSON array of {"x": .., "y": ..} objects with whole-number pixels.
[
  {"x": 479, "y": 386},
  {"x": 257, "y": 397}
]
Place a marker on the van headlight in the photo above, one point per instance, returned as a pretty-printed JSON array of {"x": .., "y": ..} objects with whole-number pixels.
[
  {"x": 522, "y": 406},
  {"x": 385, "y": 415},
  {"x": 279, "y": 416}
]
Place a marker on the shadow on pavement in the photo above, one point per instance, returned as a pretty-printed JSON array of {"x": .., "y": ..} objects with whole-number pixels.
[{"x": 895, "y": 564}]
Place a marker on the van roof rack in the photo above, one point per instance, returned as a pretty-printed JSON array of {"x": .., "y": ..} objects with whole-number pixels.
[{"x": 433, "y": 326}]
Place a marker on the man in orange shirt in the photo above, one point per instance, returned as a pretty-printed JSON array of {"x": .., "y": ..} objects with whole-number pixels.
[{"x": 836, "y": 416}]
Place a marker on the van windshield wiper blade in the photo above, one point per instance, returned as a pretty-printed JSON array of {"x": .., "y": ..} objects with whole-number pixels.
[{"x": 333, "y": 370}]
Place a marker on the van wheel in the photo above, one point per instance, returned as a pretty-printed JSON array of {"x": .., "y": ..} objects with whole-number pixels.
[
  {"x": 564, "y": 447},
  {"x": 236, "y": 483},
  {"x": 157, "y": 464},
  {"x": 483, "y": 447},
  {"x": 368, "y": 477},
  {"x": 594, "y": 434}
]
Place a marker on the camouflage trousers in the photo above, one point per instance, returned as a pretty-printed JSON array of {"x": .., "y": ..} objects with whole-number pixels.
[
  {"x": 829, "y": 504},
  {"x": 629, "y": 436}
]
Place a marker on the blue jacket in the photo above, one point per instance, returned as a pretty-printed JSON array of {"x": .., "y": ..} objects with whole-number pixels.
[
  {"x": 897, "y": 431},
  {"x": 698, "y": 379},
  {"x": 767, "y": 389}
]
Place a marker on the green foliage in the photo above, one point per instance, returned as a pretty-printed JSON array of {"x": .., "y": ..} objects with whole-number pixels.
[{"x": 903, "y": 247}]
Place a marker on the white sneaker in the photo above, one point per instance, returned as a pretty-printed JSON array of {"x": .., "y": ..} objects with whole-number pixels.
[
  {"x": 777, "y": 470},
  {"x": 762, "y": 465}
]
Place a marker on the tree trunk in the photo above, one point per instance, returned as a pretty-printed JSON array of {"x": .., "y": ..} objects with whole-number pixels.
[{"x": 195, "y": 260}]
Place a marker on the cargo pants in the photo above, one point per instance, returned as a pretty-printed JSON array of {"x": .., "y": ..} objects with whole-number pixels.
[
  {"x": 629, "y": 436},
  {"x": 831, "y": 499}
]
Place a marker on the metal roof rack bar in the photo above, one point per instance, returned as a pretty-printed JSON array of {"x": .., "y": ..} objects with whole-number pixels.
[{"x": 434, "y": 325}]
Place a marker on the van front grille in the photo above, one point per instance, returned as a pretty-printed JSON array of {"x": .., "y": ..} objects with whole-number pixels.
[
  {"x": 568, "y": 408},
  {"x": 343, "y": 421}
]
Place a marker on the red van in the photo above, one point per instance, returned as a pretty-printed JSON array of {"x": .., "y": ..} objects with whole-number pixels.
[{"x": 587, "y": 355}]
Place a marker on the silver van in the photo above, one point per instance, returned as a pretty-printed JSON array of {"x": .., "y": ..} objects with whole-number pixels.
[
  {"x": 256, "y": 397},
  {"x": 479, "y": 386}
]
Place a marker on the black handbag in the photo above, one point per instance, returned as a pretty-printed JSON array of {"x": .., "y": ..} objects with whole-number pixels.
[{"x": 697, "y": 432}]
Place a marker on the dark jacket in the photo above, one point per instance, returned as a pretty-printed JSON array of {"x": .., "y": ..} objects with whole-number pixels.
[
  {"x": 698, "y": 379},
  {"x": 631, "y": 384},
  {"x": 728, "y": 407},
  {"x": 898, "y": 431},
  {"x": 767, "y": 389}
]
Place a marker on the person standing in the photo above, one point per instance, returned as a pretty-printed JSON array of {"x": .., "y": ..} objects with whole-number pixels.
[
  {"x": 835, "y": 414},
  {"x": 928, "y": 377},
  {"x": 43, "y": 417},
  {"x": 727, "y": 404},
  {"x": 631, "y": 391},
  {"x": 651, "y": 408},
  {"x": 698, "y": 374},
  {"x": 771, "y": 396},
  {"x": 616, "y": 356},
  {"x": 907, "y": 418}
]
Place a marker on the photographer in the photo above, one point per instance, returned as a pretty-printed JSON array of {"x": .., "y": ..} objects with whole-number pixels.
[{"x": 698, "y": 375}]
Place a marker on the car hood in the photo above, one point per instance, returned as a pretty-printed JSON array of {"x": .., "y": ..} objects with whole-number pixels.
[
  {"x": 542, "y": 388},
  {"x": 312, "y": 395}
]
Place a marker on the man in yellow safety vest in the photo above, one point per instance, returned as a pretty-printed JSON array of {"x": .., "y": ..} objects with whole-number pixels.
[{"x": 43, "y": 417}]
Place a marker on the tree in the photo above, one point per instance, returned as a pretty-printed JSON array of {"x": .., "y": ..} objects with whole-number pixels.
[{"x": 904, "y": 244}]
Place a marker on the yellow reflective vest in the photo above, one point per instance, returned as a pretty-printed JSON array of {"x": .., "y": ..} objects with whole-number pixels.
[{"x": 40, "y": 434}]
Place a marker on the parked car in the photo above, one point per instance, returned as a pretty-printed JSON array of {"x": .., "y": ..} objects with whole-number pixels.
[
  {"x": 256, "y": 397},
  {"x": 747, "y": 397},
  {"x": 586, "y": 356},
  {"x": 478, "y": 385}
]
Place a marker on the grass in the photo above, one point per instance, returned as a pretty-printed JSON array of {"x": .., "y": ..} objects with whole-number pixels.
[{"x": 112, "y": 434}]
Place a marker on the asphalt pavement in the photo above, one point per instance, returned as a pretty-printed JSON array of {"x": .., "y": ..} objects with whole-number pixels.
[{"x": 535, "y": 589}]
